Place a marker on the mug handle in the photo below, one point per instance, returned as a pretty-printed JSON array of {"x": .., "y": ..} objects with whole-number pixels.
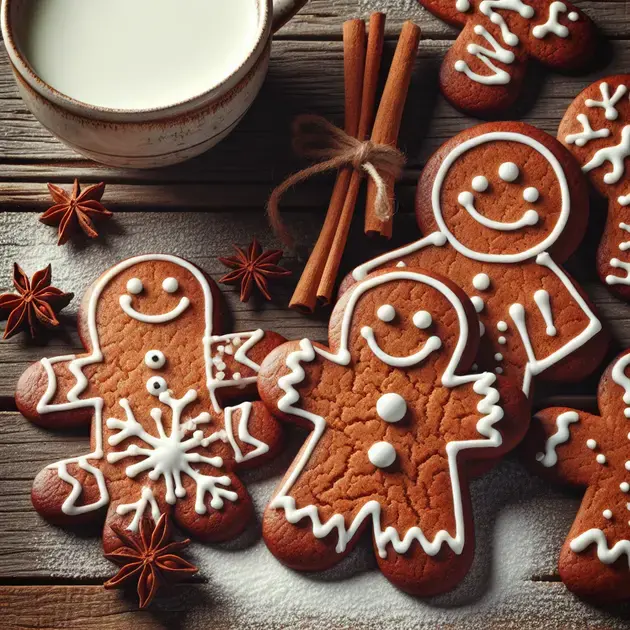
[{"x": 283, "y": 11}]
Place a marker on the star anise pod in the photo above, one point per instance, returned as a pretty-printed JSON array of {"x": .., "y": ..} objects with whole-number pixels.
[
  {"x": 149, "y": 559},
  {"x": 75, "y": 209},
  {"x": 36, "y": 302},
  {"x": 253, "y": 268}
]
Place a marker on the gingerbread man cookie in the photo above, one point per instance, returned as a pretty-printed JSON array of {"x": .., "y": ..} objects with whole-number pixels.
[
  {"x": 592, "y": 452},
  {"x": 398, "y": 427},
  {"x": 503, "y": 205},
  {"x": 596, "y": 129},
  {"x": 152, "y": 383},
  {"x": 484, "y": 70}
]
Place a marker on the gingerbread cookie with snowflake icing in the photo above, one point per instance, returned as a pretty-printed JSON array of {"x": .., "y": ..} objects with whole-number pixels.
[
  {"x": 484, "y": 71},
  {"x": 502, "y": 206},
  {"x": 398, "y": 425},
  {"x": 592, "y": 452},
  {"x": 596, "y": 129},
  {"x": 153, "y": 383}
]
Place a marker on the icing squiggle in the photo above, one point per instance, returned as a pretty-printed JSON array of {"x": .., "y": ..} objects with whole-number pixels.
[
  {"x": 605, "y": 554},
  {"x": 587, "y": 134},
  {"x": 608, "y": 102},
  {"x": 615, "y": 155},
  {"x": 487, "y": 7},
  {"x": 620, "y": 378},
  {"x": 552, "y": 25},
  {"x": 550, "y": 458}
]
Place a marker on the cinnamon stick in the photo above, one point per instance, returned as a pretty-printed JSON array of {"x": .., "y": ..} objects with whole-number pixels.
[
  {"x": 389, "y": 118},
  {"x": 305, "y": 295},
  {"x": 376, "y": 38}
]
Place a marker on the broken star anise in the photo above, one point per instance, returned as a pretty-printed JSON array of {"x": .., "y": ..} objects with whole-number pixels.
[
  {"x": 36, "y": 302},
  {"x": 75, "y": 209},
  {"x": 253, "y": 268},
  {"x": 149, "y": 559}
]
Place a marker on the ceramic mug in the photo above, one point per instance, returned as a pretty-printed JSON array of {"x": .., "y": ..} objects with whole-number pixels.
[{"x": 147, "y": 138}]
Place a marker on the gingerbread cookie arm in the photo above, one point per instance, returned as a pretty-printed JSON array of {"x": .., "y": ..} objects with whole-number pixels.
[{"x": 48, "y": 394}]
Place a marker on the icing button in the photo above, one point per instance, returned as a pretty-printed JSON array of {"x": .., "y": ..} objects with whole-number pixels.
[
  {"x": 382, "y": 454},
  {"x": 391, "y": 407}
]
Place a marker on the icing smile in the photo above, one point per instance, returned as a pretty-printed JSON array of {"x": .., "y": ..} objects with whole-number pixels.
[
  {"x": 433, "y": 343},
  {"x": 125, "y": 304},
  {"x": 467, "y": 201}
]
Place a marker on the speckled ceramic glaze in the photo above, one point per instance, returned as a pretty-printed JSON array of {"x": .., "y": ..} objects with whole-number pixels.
[{"x": 148, "y": 138}]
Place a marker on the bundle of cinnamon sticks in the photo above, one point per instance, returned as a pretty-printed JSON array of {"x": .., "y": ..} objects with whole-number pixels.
[{"x": 362, "y": 63}]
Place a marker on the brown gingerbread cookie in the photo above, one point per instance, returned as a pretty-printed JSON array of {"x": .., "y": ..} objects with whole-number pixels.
[
  {"x": 502, "y": 206},
  {"x": 398, "y": 427},
  {"x": 596, "y": 129},
  {"x": 484, "y": 71},
  {"x": 152, "y": 382},
  {"x": 592, "y": 452}
]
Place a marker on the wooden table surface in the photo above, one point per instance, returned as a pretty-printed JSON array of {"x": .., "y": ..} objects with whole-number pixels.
[{"x": 198, "y": 210}]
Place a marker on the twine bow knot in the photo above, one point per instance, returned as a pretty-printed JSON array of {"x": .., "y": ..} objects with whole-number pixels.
[{"x": 332, "y": 148}]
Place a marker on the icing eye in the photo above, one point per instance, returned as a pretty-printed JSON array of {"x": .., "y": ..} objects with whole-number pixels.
[
  {"x": 531, "y": 194},
  {"x": 156, "y": 385},
  {"x": 422, "y": 320},
  {"x": 508, "y": 172},
  {"x": 480, "y": 183},
  {"x": 154, "y": 359},
  {"x": 170, "y": 285},
  {"x": 386, "y": 313},
  {"x": 135, "y": 286}
]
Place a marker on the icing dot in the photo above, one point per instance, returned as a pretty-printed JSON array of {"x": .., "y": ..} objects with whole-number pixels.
[
  {"x": 607, "y": 514},
  {"x": 498, "y": 370},
  {"x": 531, "y": 194},
  {"x": 170, "y": 285},
  {"x": 482, "y": 329},
  {"x": 422, "y": 320},
  {"x": 592, "y": 444},
  {"x": 601, "y": 459},
  {"x": 382, "y": 454},
  {"x": 573, "y": 16},
  {"x": 502, "y": 340},
  {"x": 156, "y": 385},
  {"x": 627, "y": 464},
  {"x": 465, "y": 198},
  {"x": 462, "y": 5},
  {"x": 624, "y": 486},
  {"x": 478, "y": 303},
  {"x": 134, "y": 286},
  {"x": 401, "y": 264},
  {"x": 154, "y": 359},
  {"x": 502, "y": 326},
  {"x": 481, "y": 281},
  {"x": 480, "y": 183},
  {"x": 498, "y": 357},
  {"x": 236, "y": 376},
  {"x": 508, "y": 172},
  {"x": 386, "y": 313},
  {"x": 391, "y": 407}
]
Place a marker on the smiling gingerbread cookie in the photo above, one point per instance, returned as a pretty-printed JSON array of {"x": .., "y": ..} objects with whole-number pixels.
[
  {"x": 153, "y": 382},
  {"x": 502, "y": 206},
  {"x": 398, "y": 426},
  {"x": 484, "y": 71}
]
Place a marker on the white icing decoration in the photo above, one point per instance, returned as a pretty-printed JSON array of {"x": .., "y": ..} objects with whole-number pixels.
[
  {"x": 608, "y": 102},
  {"x": 531, "y": 194},
  {"x": 401, "y": 265},
  {"x": 382, "y": 454},
  {"x": 498, "y": 357},
  {"x": 502, "y": 340},
  {"x": 462, "y": 5},
  {"x": 467, "y": 201},
  {"x": 69, "y": 505},
  {"x": 620, "y": 378},
  {"x": 478, "y": 303},
  {"x": 627, "y": 465},
  {"x": 498, "y": 53},
  {"x": 587, "y": 134},
  {"x": 147, "y": 499},
  {"x": 243, "y": 433},
  {"x": 422, "y": 320},
  {"x": 481, "y": 282},
  {"x": 624, "y": 486},
  {"x": 156, "y": 385},
  {"x": 624, "y": 200},
  {"x": 162, "y": 318},
  {"x": 573, "y": 16},
  {"x": 626, "y": 244},
  {"x": 550, "y": 458},
  {"x": 619, "y": 264},
  {"x": 601, "y": 459},
  {"x": 502, "y": 326},
  {"x": 592, "y": 444},
  {"x": 154, "y": 359},
  {"x": 482, "y": 329},
  {"x": 386, "y": 313},
  {"x": 509, "y": 172},
  {"x": 543, "y": 301},
  {"x": 431, "y": 345},
  {"x": 491, "y": 438},
  {"x": 604, "y": 552},
  {"x": 135, "y": 286},
  {"x": 552, "y": 25},
  {"x": 391, "y": 407},
  {"x": 479, "y": 184},
  {"x": 607, "y": 514},
  {"x": 487, "y": 7},
  {"x": 498, "y": 370},
  {"x": 170, "y": 285},
  {"x": 615, "y": 155}
]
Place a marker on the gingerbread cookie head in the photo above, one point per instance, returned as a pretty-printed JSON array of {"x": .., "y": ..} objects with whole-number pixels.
[
  {"x": 484, "y": 70},
  {"x": 593, "y": 452},
  {"x": 394, "y": 415},
  {"x": 503, "y": 192},
  {"x": 153, "y": 382},
  {"x": 596, "y": 129}
]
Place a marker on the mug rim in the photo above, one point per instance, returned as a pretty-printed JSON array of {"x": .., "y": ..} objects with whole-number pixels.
[{"x": 48, "y": 92}]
